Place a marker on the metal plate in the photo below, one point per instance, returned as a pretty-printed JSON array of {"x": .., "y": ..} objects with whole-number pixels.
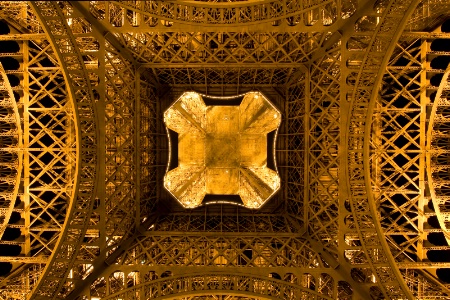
[{"x": 225, "y": 144}]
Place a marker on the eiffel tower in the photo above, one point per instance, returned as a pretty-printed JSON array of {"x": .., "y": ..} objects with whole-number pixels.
[{"x": 344, "y": 198}]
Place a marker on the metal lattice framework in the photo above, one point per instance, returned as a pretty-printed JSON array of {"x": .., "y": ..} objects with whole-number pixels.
[
  {"x": 12, "y": 156},
  {"x": 361, "y": 152}
]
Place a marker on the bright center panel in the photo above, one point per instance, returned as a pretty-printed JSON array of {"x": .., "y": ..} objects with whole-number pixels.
[{"x": 221, "y": 151}]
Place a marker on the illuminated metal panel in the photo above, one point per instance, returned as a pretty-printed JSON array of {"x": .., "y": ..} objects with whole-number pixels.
[{"x": 222, "y": 150}]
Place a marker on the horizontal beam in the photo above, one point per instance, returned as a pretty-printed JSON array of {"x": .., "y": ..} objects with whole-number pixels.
[
  {"x": 188, "y": 270},
  {"x": 23, "y": 36},
  {"x": 25, "y": 260},
  {"x": 423, "y": 265},
  {"x": 229, "y": 234},
  {"x": 222, "y": 17},
  {"x": 426, "y": 35},
  {"x": 218, "y": 85},
  {"x": 224, "y": 65}
]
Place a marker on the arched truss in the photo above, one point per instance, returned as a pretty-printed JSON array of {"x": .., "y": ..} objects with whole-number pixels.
[
  {"x": 220, "y": 284},
  {"x": 48, "y": 146},
  {"x": 325, "y": 84},
  {"x": 400, "y": 165},
  {"x": 216, "y": 296},
  {"x": 114, "y": 93},
  {"x": 161, "y": 15},
  {"x": 436, "y": 168},
  {"x": 436, "y": 159},
  {"x": 436, "y": 156},
  {"x": 11, "y": 161},
  {"x": 363, "y": 210}
]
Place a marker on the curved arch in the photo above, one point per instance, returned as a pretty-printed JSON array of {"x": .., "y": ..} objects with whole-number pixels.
[
  {"x": 68, "y": 46},
  {"x": 433, "y": 168},
  {"x": 11, "y": 167},
  {"x": 220, "y": 284},
  {"x": 81, "y": 99},
  {"x": 216, "y": 293},
  {"x": 293, "y": 13},
  {"x": 363, "y": 100}
]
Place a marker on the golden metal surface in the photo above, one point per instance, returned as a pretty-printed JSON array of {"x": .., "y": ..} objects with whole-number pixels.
[
  {"x": 191, "y": 149},
  {"x": 222, "y": 150}
]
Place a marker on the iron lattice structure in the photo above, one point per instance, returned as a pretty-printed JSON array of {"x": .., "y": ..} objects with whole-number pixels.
[{"x": 362, "y": 150}]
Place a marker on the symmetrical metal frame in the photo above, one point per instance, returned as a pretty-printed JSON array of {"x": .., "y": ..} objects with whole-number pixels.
[{"x": 361, "y": 144}]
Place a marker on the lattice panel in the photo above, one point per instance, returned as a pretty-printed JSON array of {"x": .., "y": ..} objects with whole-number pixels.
[
  {"x": 263, "y": 223},
  {"x": 254, "y": 286},
  {"x": 11, "y": 157},
  {"x": 11, "y": 167},
  {"x": 254, "y": 246},
  {"x": 120, "y": 112},
  {"x": 264, "y": 241},
  {"x": 68, "y": 51},
  {"x": 400, "y": 173},
  {"x": 148, "y": 140},
  {"x": 420, "y": 20},
  {"x": 20, "y": 14},
  {"x": 239, "y": 251},
  {"x": 116, "y": 93},
  {"x": 196, "y": 77},
  {"x": 323, "y": 134},
  {"x": 423, "y": 286},
  {"x": 19, "y": 287},
  {"x": 324, "y": 148},
  {"x": 403, "y": 177},
  {"x": 50, "y": 140},
  {"x": 164, "y": 15},
  {"x": 399, "y": 147},
  {"x": 292, "y": 164},
  {"x": 221, "y": 47}
]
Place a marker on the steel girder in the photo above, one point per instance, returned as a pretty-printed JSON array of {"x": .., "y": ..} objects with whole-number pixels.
[{"x": 328, "y": 207}]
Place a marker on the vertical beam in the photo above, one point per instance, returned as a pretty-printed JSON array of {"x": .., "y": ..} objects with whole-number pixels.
[
  {"x": 26, "y": 143},
  {"x": 101, "y": 107},
  {"x": 137, "y": 146},
  {"x": 307, "y": 157},
  {"x": 424, "y": 102}
]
